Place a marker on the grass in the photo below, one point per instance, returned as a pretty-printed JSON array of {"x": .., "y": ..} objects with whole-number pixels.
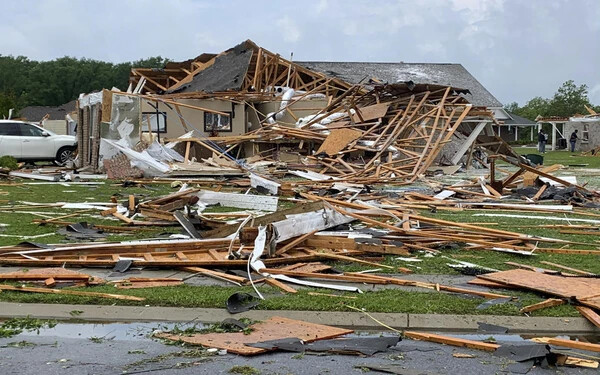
[
  {"x": 244, "y": 370},
  {"x": 388, "y": 300},
  {"x": 563, "y": 157}
]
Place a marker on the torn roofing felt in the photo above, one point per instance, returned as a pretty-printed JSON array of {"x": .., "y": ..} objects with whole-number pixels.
[{"x": 226, "y": 73}]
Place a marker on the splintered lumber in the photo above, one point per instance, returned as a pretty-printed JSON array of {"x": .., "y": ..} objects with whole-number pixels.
[
  {"x": 375, "y": 279},
  {"x": 568, "y": 343},
  {"x": 216, "y": 274},
  {"x": 71, "y": 292},
  {"x": 274, "y": 328},
  {"x": 145, "y": 282},
  {"x": 567, "y": 360},
  {"x": 550, "y": 302},
  {"x": 589, "y": 314},
  {"x": 566, "y": 268},
  {"x": 453, "y": 341},
  {"x": 344, "y": 258},
  {"x": 294, "y": 242},
  {"x": 281, "y": 285},
  {"x": 565, "y": 287}
]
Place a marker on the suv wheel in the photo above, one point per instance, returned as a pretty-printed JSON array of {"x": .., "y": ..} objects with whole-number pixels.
[{"x": 64, "y": 155}]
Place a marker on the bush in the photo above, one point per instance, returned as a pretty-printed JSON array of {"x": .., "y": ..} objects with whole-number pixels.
[{"x": 8, "y": 162}]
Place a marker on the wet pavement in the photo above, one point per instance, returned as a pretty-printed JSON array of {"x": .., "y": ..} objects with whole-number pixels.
[{"x": 127, "y": 348}]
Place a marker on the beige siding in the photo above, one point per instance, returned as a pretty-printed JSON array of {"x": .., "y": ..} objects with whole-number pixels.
[
  {"x": 195, "y": 118},
  {"x": 300, "y": 109},
  {"x": 56, "y": 126}
]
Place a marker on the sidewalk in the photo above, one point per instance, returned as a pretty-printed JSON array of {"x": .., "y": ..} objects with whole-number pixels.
[{"x": 354, "y": 320}]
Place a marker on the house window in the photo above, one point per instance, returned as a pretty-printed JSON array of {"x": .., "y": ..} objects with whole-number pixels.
[
  {"x": 585, "y": 134},
  {"x": 156, "y": 120},
  {"x": 214, "y": 122}
]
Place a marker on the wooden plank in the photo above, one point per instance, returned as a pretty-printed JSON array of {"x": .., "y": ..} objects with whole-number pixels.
[
  {"x": 453, "y": 341},
  {"x": 278, "y": 284},
  {"x": 272, "y": 329},
  {"x": 568, "y": 343},
  {"x": 539, "y": 192},
  {"x": 550, "y": 302},
  {"x": 589, "y": 314},
  {"x": 220, "y": 275},
  {"x": 71, "y": 292},
  {"x": 560, "y": 286},
  {"x": 566, "y": 268},
  {"x": 122, "y": 218},
  {"x": 294, "y": 242}
]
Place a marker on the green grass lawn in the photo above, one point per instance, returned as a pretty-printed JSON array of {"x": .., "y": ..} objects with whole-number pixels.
[
  {"x": 563, "y": 157},
  {"x": 391, "y": 300}
]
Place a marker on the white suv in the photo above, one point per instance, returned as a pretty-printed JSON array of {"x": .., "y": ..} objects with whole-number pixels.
[{"x": 25, "y": 141}]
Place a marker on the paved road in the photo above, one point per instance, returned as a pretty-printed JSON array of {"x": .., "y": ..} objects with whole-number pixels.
[{"x": 125, "y": 348}]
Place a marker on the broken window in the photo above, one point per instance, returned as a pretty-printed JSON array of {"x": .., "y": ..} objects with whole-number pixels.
[
  {"x": 585, "y": 134},
  {"x": 214, "y": 122},
  {"x": 157, "y": 121}
]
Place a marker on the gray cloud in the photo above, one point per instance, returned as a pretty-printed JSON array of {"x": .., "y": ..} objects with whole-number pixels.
[{"x": 517, "y": 49}]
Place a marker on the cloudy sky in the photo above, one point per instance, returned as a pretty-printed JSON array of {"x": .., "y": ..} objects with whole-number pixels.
[{"x": 518, "y": 49}]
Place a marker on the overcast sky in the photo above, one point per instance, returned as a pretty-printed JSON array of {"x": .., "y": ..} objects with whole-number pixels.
[{"x": 517, "y": 49}]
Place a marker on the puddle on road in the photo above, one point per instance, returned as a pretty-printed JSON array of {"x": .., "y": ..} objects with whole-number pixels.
[
  {"x": 112, "y": 331},
  {"x": 142, "y": 331}
]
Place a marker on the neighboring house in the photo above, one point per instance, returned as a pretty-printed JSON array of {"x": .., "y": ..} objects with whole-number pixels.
[
  {"x": 508, "y": 128},
  {"x": 52, "y": 118},
  {"x": 587, "y": 126}
]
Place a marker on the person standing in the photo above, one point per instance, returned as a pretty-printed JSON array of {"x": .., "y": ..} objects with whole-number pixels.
[
  {"x": 541, "y": 142},
  {"x": 573, "y": 140}
]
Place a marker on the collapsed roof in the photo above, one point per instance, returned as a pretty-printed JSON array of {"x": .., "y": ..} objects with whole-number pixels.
[{"x": 454, "y": 75}]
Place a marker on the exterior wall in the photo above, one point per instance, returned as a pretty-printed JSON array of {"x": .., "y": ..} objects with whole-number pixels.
[
  {"x": 195, "y": 118},
  {"x": 300, "y": 109},
  {"x": 593, "y": 134},
  {"x": 56, "y": 126}
]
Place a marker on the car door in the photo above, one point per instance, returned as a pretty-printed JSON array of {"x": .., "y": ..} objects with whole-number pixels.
[
  {"x": 10, "y": 139},
  {"x": 34, "y": 144}
]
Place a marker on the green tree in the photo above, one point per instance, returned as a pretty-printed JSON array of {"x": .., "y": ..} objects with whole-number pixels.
[
  {"x": 537, "y": 106},
  {"x": 512, "y": 107},
  {"x": 569, "y": 100},
  {"x": 8, "y": 100}
]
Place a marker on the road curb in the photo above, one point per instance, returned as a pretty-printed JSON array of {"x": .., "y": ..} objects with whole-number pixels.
[{"x": 354, "y": 320}]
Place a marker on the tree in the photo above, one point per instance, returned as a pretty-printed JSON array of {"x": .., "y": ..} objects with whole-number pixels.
[
  {"x": 537, "y": 106},
  {"x": 512, "y": 107},
  {"x": 8, "y": 100},
  {"x": 569, "y": 100},
  {"x": 25, "y": 82}
]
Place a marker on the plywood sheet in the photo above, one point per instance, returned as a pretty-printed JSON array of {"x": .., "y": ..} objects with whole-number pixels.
[
  {"x": 273, "y": 329},
  {"x": 337, "y": 140},
  {"x": 584, "y": 289},
  {"x": 371, "y": 112}
]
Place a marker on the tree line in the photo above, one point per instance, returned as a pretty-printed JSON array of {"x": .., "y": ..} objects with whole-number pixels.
[
  {"x": 568, "y": 100},
  {"x": 25, "y": 82}
]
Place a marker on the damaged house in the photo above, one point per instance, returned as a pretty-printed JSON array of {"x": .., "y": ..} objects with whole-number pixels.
[{"x": 224, "y": 113}]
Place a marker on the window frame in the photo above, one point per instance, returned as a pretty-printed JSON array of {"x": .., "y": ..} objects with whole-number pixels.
[
  {"x": 145, "y": 123},
  {"x": 210, "y": 130},
  {"x": 585, "y": 133}
]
